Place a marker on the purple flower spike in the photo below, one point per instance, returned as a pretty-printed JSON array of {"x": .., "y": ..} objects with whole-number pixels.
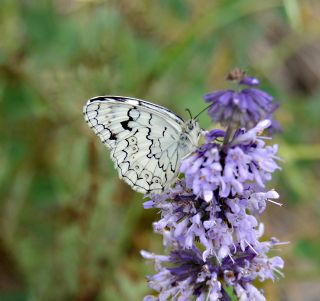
[
  {"x": 186, "y": 275},
  {"x": 244, "y": 108},
  {"x": 209, "y": 219},
  {"x": 247, "y": 160}
]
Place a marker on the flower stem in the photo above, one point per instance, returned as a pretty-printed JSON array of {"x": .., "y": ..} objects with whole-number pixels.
[{"x": 228, "y": 135}]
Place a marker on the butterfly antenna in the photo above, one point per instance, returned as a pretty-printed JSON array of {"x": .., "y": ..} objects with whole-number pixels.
[
  {"x": 206, "y": 108},
  {"x": 188, "y": 110}
]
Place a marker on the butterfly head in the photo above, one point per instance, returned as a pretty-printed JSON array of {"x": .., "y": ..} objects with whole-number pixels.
[{"x": 192, "y": 129}]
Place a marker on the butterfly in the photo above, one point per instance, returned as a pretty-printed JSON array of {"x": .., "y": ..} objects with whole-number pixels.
[{"x": 147, "y": 141}]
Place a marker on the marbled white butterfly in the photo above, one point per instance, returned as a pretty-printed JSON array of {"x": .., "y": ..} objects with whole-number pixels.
[{"x": 147, "y": 141}]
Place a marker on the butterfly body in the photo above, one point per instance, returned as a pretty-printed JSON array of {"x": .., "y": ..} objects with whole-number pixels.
[{"x": 147, "y": 141}]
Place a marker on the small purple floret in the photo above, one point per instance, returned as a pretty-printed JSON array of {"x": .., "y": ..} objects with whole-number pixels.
[
  {"x": 244, "y": 108},
  {"x": 249, "y": 81}
]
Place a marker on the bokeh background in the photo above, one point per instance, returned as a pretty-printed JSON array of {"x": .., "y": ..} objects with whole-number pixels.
[{"x": 70, "y": 230}]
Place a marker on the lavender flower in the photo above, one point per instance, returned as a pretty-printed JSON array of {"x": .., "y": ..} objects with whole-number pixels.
[
  {"x": 209, "y": 219},
  {"x": 217, "y": 225},
  {"x": 211, "y": 204},
  {"x": 184, "y": 275},
  {"x": 213, "y": 168},
  {"x": 244, "y": 108}
]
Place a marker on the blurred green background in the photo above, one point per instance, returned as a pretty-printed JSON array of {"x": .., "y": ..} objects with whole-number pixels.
[{"x": 70, "y": 230}]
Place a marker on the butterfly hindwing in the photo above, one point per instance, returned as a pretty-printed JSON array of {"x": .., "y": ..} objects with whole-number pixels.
[{"x": 143, "y": 138}]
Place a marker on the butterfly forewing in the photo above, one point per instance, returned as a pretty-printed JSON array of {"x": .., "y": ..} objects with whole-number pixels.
[{"x": 143, "y": 138}]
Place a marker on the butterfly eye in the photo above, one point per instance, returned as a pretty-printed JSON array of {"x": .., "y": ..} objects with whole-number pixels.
[{"x": 190, "y": 126}]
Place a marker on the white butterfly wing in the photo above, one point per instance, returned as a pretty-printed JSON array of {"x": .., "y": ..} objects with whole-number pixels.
[{"x": 143, "y": 138}]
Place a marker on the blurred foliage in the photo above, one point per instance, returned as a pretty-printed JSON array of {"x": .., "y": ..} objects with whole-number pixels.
[{"x": 70, "y": 230}]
